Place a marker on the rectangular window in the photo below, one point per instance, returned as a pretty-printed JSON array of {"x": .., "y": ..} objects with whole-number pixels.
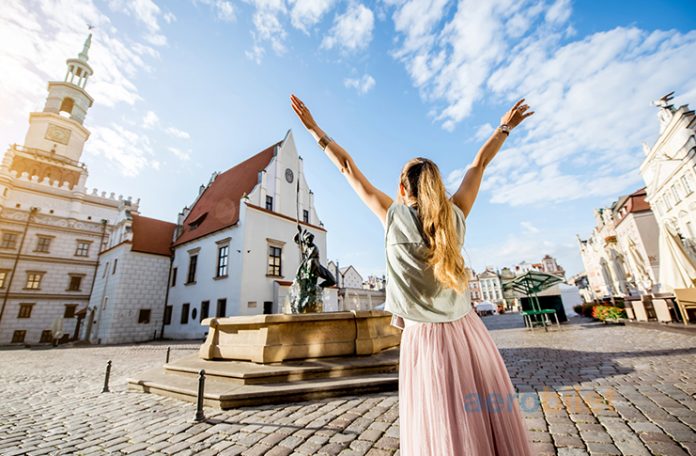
[
  {"x": 25, "y": 310},
  {"x": 269, "y": 203},
  {"x": 223, "y": 254},
  {"x": 115, "y": 264},
  {"x": 668, "y": 201},
  {"x": 82, "y": 249},
  {"x": 69, "y": 311},
  {"x": 106, "y": 268},
  {"x": 686, "y": 184},
  {"x": 174, "y": 271},
  {"x": 144, "y": 316},
  {"x": 268, "y": 307},
  {"x": 274, "y": 261},
  {"x": 168, "y": 315},
  {"x": 43, "y": 244},
  {"x": 34, "y": 280},
  {"x": 185, "y": 313},
  {"x": 251, "y": 304},
  {"x": 46, "y": 336},
  {"x": 221, "y": 308},
  {"x": 9, "y": 241},
  {"x": 205, "y": 310},
  {"x": 75, "y": 283},
  {"x": 193, "y": 262},
  {"x": 675, "y": 192},
  {"x": 18, "y": 336},
  {"x": 305, "y": 215},
  {"x": 3, "y": 278}
]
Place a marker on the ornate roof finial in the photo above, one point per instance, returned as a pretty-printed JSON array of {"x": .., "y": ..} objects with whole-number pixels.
[{"x": 85, "y": 49}]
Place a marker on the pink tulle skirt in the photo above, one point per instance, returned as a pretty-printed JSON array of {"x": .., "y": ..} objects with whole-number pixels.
[{"x": 455, "y": 393}]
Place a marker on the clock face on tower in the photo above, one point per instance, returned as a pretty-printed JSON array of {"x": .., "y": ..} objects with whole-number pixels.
[
  {"x": 58, "y": 134},
  {"x": 289, "y": 175}
]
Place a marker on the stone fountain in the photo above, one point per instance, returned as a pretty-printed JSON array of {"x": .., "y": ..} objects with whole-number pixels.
[{"x": 276, "y": 358}]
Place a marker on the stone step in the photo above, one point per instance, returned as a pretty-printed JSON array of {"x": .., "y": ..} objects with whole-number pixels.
[
  {"x": 225, "y": 394},
  {"x": 248, "y": 373}
]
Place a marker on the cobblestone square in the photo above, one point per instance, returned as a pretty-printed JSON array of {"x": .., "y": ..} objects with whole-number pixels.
[{"x": 587, "y": 389}]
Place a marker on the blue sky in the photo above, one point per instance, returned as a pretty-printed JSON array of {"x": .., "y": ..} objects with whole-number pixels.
[{"x": 186, "y": 88}]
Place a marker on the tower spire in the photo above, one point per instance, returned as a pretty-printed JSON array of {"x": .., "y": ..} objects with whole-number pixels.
[{"x": 85, "y": 49}]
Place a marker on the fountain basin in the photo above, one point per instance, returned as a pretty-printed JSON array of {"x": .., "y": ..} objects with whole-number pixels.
[{"x": 280, "y": 337}]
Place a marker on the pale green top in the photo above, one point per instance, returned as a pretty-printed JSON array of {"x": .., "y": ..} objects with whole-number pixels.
[{"x": 412, "y": 291}]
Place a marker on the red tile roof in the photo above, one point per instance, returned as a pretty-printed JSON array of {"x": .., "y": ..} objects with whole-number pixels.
[
  {"x": 635, "y": 202},
  {"x": 152, "y": 235},
  {"x": 218, "y": 206}
]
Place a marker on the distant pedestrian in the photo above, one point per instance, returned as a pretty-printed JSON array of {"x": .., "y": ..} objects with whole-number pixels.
[
  {"x": 455, "y": 393},
  {"x": 57, "y": 330}
]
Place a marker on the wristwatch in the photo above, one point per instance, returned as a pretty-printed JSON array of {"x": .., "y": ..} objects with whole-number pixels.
[
  {"x": 324, "y": 141},
  {"x": 505, "y": 128}
]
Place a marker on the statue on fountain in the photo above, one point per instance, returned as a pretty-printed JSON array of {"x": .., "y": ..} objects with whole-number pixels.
[{"x": 306, "y": 294}]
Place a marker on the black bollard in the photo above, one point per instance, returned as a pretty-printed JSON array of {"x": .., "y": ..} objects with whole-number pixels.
[
  {"x": 167, "y": 361},
  {"x": 200, "y": 416},
  {"x": 106, "y": 377}
]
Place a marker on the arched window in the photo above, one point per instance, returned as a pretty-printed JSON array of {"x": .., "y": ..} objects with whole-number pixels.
[{"x": 67, "y": 105}]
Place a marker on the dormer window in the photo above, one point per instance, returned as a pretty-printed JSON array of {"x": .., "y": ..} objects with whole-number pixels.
[{"x": 195, "y": 223}]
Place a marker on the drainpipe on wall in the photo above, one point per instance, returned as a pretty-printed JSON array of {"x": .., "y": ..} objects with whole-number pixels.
[
  {"x": 166, "y": 294},
  {"x": 89, "y": 316},
  {"x": 32, "y": 211}
]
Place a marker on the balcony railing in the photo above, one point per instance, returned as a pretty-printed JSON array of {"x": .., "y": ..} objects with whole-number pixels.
[{"x": 38, "y": 153}]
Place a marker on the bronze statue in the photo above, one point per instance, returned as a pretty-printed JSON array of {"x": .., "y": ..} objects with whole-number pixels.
[{"x": 308, "y": 294}]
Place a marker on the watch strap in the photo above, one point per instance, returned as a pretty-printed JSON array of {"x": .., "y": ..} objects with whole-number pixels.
[{"x": 324, "y": 141}]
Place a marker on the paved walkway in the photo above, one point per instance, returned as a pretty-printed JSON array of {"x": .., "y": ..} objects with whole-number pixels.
[{"x": 586, "y": 389}]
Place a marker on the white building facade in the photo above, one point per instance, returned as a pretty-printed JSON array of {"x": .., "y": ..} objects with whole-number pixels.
[
  {"x": 669, "y": 171},
  {"x": 51, "y": 227},
  {"x": 128, "y": 299},
  {"x": 234, "y": 249},
  {"x": 489, "y": 284},
  {"x": 637, "y": 235}
]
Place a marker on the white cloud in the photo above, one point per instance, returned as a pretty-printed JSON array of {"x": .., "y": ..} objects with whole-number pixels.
[
  {"x": 529, "y": 227},
  {"x": 183, "y": 155},
  {"x": 178, "y": 134},
  {"x": 591, "y": 95},
  {"x": 306, "y": 13},
  {"x": 224, "y": 9},
  {"x": 150, "y": 119},
  {"x": 268, "y": 27},
  {"x": 362, "y": 85},
  {"x": 483, "y": 132},
  {"x": 256, "y": 54},
  {"x": 351, "y": 31},
  {"x": 129, "y": 150},
  {"x": 148, "y": 13}
]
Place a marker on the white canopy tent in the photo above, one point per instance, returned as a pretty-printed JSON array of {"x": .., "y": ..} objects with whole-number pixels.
[
  {"x": 677, "y": 269},
  {"x": 486, "y": 306}
]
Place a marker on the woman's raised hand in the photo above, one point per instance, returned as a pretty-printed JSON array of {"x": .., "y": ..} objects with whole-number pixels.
[
  {"x": 516, "y": 114},
  {"x": 303, "y": 113}
]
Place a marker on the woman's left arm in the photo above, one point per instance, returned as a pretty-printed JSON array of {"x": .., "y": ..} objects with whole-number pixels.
[{"x": 375, "y": 199}]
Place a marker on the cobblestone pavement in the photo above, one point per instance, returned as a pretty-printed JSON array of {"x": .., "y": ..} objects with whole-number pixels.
[{"x": 586, "y": 389}]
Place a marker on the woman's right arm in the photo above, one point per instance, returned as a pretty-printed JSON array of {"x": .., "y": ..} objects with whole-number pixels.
[
  {"x": 375, "y": 199},
  {"x": 466, "y": 194}
]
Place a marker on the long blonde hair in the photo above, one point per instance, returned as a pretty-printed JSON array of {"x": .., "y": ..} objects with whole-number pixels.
[{"x": 423, "y": 183}]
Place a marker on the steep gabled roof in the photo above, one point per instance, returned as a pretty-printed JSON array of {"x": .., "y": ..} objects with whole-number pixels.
[
  {"x": 152, "y": 235},
  {"x": 218, "y": 206}
]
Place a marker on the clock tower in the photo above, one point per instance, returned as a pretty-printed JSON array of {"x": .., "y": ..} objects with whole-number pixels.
[{"x": 56, "y": 136}]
